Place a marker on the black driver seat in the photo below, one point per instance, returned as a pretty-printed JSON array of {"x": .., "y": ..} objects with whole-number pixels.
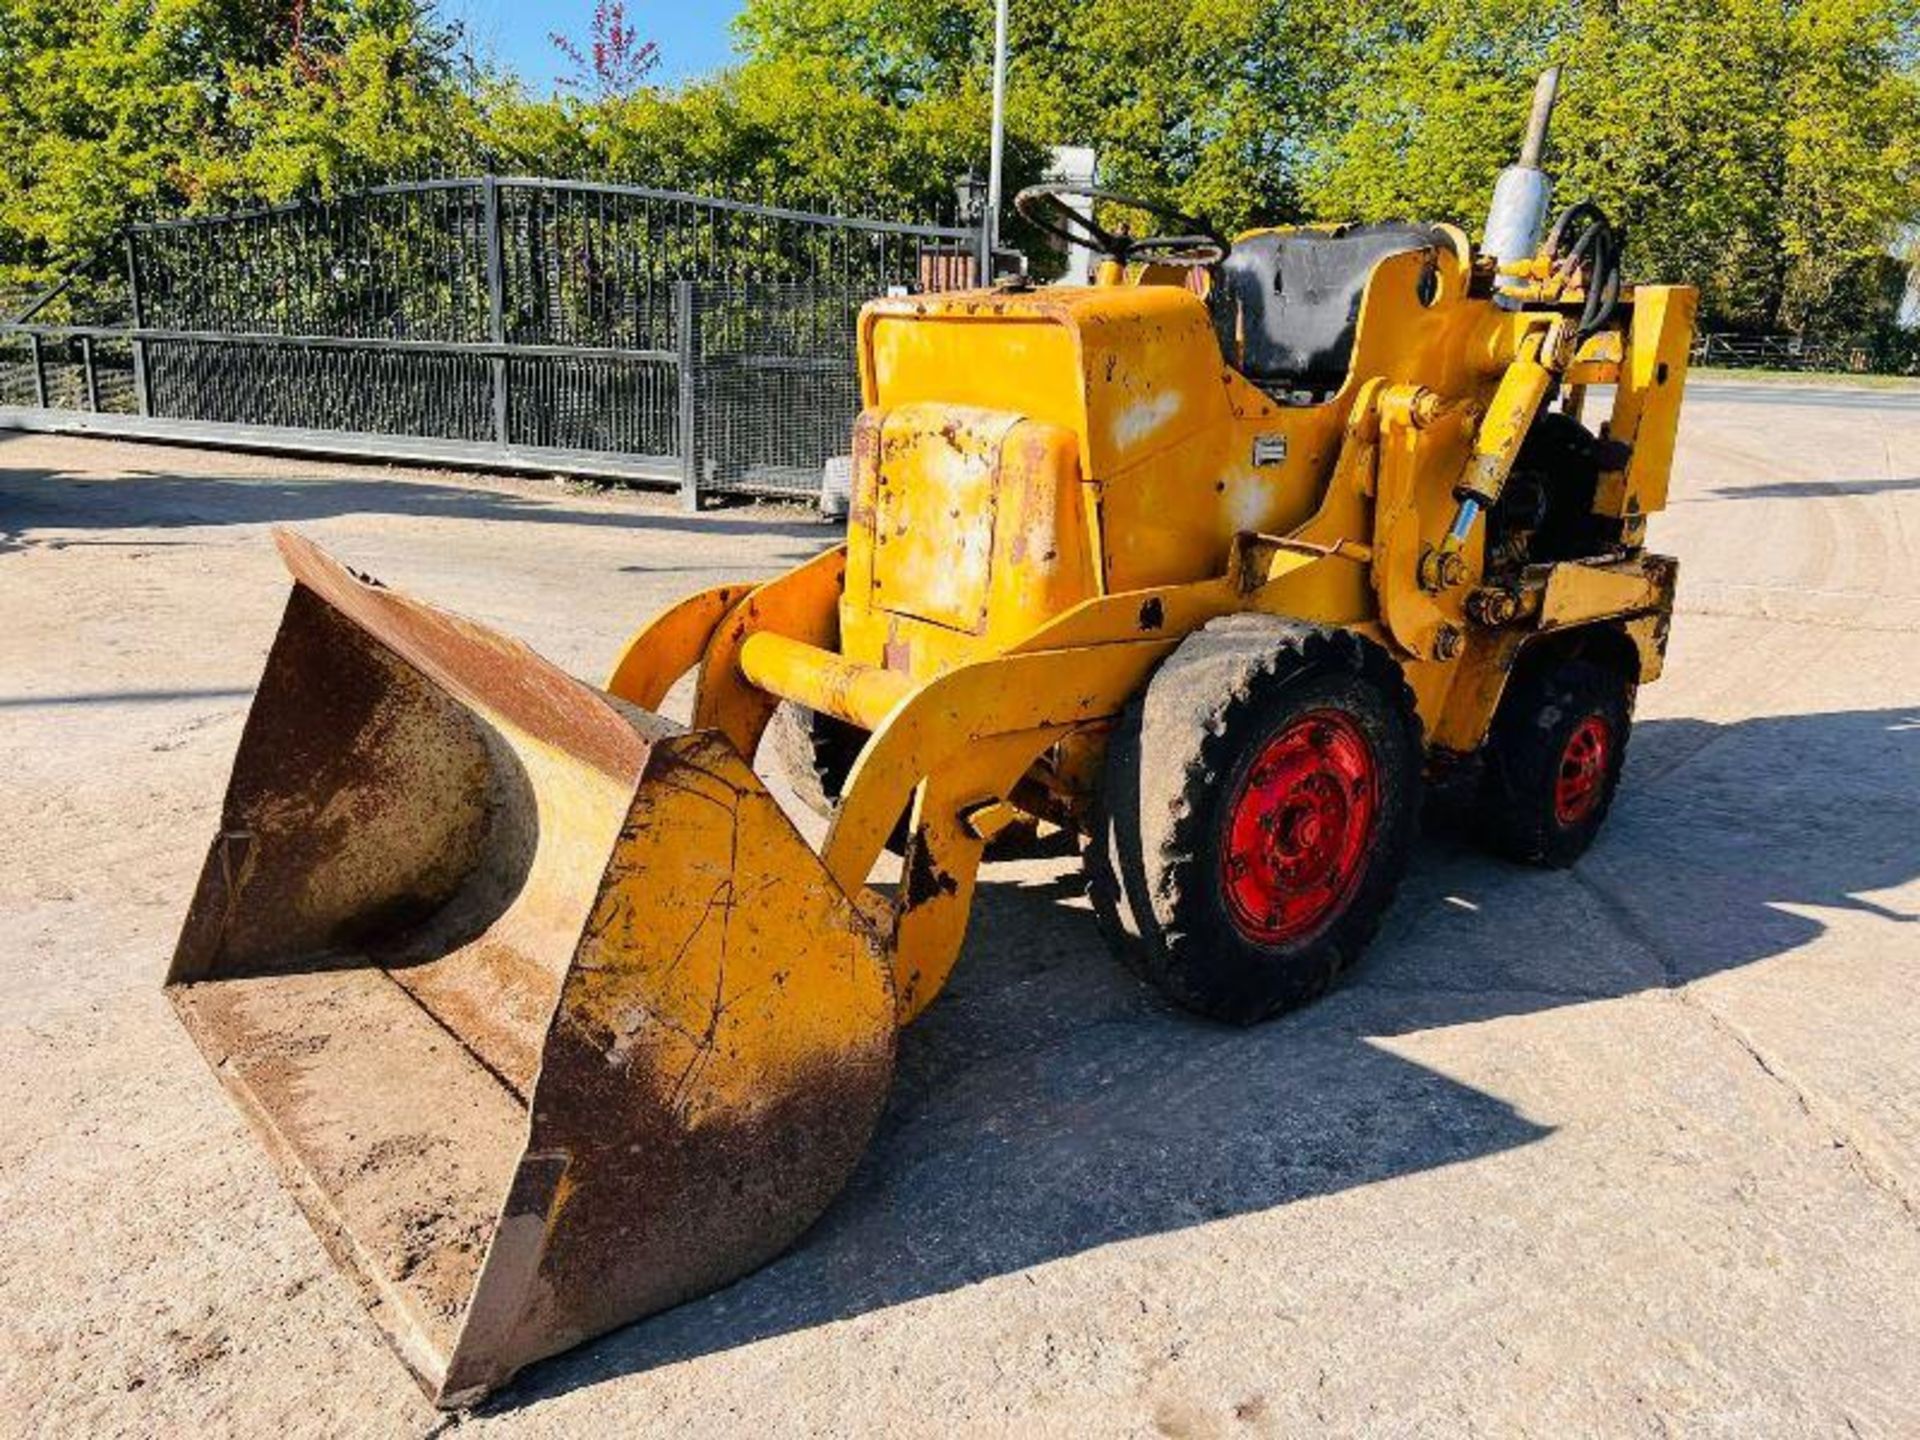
[{"x": 1286, "y": 303}]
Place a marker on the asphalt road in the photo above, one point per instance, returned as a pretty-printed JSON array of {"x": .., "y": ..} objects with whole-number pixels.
[
  {"x": 1811, "y": 395},
  {"x": 1631, "y": 1148}
]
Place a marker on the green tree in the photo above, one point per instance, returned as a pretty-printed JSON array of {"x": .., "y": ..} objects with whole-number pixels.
[
  {"x": 791, "y": 129},
  {"x": 365, "y": 91},
  {"x": 1202, "y": 103},
  {"x": 1767, "y": 150},
  {"x": 1852, "y": 162},
  {"x": 102, "y": 107},
  {"x": 1761, "y": 149},
  {"x": 117, "y": 109}
]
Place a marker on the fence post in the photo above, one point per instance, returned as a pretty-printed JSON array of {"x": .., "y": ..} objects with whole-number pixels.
[
  {"x": 142, "y": 393},
  {"x": 39, "y": 371},
  {"x": 86, "y": 368},
  {"x": 686, "y": 340},
  {"x": 496, "y": 307}
]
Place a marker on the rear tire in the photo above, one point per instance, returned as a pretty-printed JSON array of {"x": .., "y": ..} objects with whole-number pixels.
[
  {"x": 1257, "y": 813},
  {"x": 1552, "y": 762}
]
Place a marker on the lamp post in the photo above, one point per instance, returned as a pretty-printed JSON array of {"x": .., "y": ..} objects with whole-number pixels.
[
  {"x": 997, "y": 144},
  {"x": 971, "y": 190}
]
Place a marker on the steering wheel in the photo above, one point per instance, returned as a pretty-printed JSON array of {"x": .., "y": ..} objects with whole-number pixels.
[{"x": 1188, "y": 242}]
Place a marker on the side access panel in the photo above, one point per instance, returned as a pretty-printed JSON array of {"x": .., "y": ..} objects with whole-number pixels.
[{"x": 968, "y": 533}]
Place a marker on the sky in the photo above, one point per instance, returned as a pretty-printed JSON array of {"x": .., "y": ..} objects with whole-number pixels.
[{"x": 692, "y": 34}]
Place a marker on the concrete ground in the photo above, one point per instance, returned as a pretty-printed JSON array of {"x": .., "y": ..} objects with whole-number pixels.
[{"x": 1631, "y": 1148}]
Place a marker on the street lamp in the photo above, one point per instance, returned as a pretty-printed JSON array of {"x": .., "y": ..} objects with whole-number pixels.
[
  {"x": 971, "y": 191},
  {"x": 998, "y": 143}
]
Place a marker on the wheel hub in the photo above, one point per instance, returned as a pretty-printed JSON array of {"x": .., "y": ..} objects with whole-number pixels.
[
  {"x": 1298, "y": 828},
  {"x": 1583, "y": 770}
]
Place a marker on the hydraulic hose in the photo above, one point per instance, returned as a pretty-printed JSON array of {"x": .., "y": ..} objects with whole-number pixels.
[{"x": 1583, "y": 236}]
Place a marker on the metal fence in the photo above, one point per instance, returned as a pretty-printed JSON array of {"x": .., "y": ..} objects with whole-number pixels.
[
  {"x": 598, "y": 329},
  {"x": 1779, "y": 352}
]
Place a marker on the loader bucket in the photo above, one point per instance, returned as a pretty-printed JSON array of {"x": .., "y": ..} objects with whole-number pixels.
[{"x": 544, "y": 1010}]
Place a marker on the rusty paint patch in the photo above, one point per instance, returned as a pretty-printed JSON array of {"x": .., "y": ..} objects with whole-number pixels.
[
  {"x": 938, "y": 513},
  {"x": 924, "y": 879},
  {"x": 543, "y": 700}
]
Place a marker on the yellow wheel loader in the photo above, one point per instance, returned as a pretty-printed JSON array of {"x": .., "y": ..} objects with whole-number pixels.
[{"x": 552, "y": 1018}]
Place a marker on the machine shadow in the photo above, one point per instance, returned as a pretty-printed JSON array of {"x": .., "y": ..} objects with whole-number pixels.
[
  {"x": 147, "y": 500},
  {"x": 1816, "y": 489},
  {"x": 1048, "y": 1104}
]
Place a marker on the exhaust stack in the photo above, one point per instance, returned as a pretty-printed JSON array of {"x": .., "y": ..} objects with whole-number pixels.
[{"x": 1518, "y": 215}]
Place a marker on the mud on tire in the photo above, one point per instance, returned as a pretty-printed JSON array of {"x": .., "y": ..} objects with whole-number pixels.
[{"x": 1256, "y": 727}]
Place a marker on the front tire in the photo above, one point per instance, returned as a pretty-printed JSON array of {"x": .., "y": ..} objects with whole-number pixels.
[
  {"x": 816, "y": 753},
  {"x": 1257, "y": 813}
]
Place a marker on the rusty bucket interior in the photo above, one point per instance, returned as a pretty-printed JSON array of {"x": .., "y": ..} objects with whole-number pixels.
[{"x": 543, "y": 1009}]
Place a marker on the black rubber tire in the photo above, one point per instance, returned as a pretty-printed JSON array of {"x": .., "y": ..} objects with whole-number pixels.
[
  {"x": 1515, "y": 812},
  {"x": 815, "y": 753},
  {"x": 1153, "y": 856}
]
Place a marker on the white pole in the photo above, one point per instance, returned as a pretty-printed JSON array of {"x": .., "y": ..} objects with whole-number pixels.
[{"x": 998, "y": 141}]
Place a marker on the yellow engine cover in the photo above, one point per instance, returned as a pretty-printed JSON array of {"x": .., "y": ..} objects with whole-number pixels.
[
  {"x": 934, "y": 513},
  {"x": 969, "y": 531}
]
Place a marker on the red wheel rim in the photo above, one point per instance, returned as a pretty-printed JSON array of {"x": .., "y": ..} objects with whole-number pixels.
[
  {"x": 1298, "y": 827},
  {"x": 1583, "y": 770}
]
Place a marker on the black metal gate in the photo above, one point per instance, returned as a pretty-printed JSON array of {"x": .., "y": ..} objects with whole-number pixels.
[{"x": 596, "y": 329}]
